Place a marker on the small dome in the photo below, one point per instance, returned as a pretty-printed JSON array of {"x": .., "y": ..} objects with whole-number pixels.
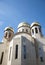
[
  {"x": 23, "y": 24},
  {"x": 9, "y": 28},
  {"x": 35, "y": 24}
]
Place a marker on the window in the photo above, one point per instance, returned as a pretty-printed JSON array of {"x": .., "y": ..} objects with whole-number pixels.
[
  {"x": 41, "y": 54},
  {"x": 19, "y": 30},
  {"x": 24, "y": 52},
  {"x": 1, "y": 58},
  {"x": 32, "y": 31},
  {"x": 26, "y": 30},
  {"x": 36, "y": 30},
  {"x": 41, "y": 58},
  {"x": 5, "y": 35},
  {"x": 16, "y": 53},
  {"x": 9, "y": 34},
  {"x": 10, "y": 53},
  {"x": 22, "y": 30}
]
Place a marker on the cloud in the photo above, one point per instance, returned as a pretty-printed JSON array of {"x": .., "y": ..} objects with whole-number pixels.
[{"x": 1, "y": 23}]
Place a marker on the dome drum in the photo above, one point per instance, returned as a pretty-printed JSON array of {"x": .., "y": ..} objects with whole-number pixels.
[{"x": 24, "y": 27}]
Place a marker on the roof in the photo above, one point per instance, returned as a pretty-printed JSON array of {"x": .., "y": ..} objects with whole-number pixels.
[
  {"x": 35, "y": 24},
  {"x": 23, "y": 24},
  {"x": 9, "y": 28}
]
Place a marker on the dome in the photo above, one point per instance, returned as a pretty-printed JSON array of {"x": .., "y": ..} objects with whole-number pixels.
[
  {"x": 23, "y": 24},
  {"x": 35, "y": 24},
  {"x": 9, "y": 28}
]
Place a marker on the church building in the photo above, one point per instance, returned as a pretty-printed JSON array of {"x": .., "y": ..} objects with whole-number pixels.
[{"x": 25, "y": 47}]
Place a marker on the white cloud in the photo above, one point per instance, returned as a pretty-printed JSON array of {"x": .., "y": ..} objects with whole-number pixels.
[{"x": 1, "y": 23}]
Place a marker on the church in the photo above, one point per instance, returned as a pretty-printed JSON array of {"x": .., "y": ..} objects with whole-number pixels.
[{"x": 25, "y": 47}]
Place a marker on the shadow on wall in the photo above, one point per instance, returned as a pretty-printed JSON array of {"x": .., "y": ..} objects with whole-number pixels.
[
  {"x": 29, "y": 52},
  {"x": 40, "y": 51}
]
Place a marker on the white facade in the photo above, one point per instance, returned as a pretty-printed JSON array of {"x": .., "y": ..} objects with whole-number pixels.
[{"x": 26, "y": 47}]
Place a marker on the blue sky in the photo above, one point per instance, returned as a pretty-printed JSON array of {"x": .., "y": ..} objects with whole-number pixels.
[{"x": 12, "y": 12}]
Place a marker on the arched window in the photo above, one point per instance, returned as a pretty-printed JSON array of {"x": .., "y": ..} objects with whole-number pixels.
[
  {"x": 16, "y": 52},
  {"x": 24, "y": 52},
  {"x": 32, "y": 31},
  {"x": 19, "y": 30},
  {"x": 5, "y": 34},
  {"x": 36, "y": 30},
  {"x": 41, "y": 54},
  {"x": 26, "y": 30},
  {"x": 41, "y": 59},
  {"x": 22, "y": 30},
  {"x": 9, "y": 34}
]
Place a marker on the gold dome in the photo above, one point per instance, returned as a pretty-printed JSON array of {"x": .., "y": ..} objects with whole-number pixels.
[
  {"x": 9, "y": 28},
  {"x": 35, "y": 24},
  {"x": 23, "y": 24}
]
